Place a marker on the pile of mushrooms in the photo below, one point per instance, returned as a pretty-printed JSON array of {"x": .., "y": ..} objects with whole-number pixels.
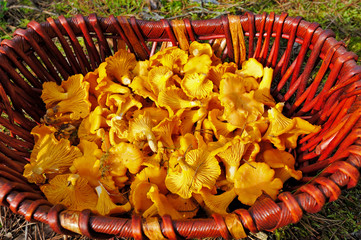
[{"x": 174, "y": 134}]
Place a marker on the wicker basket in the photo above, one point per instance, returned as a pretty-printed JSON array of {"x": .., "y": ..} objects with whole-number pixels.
[{"x": 296, "y": 49}]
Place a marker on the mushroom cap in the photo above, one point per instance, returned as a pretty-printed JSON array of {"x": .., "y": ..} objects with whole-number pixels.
[
  {"x": 166, "y": 129},
  {"x": 124, "y": 156},
  {"x": 86, "y": 166},
  {"x": 199, "y": 64},
  {"x": 196, "y": 85},
  {"x": 70, "y": 190},
  {"x": 138, "y": 196},
  {"x": 50, "y": 156},
  {"x": 218, "y": 203},
  {"x": 252, "y": 180},
  {"x": 141, "y": 87},
  {"x": 161, "y": 205},
  {"x": 159, "y": 78},
  {"x": 172, "y": 57},
  {"x": 219, "y": 127},
  {"x": 198, "y": 169},
  {"x": 232, "y": 157},
  {"x": 263, "y": 93},
  {"x": 188, "y": 208},
  {"x": 189, "y": 117},
  {"x": 141, "y": 68},
  {"x": 120, "y": 65},
  {"x": 140, "y": 129},
  {"x": 173, "y": 99},
  {"x": 105, "y": 206},
  {"x": 197, "y": 49},
  {"x": 215, "y": 73},
  {"x": 252, "y": 68},
  {"x": 106, "y": 83},
  {"x": 71, "y": 97}
]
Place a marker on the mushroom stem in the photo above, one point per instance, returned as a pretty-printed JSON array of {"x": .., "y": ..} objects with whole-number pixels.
[{"x": 152, "y": 141}]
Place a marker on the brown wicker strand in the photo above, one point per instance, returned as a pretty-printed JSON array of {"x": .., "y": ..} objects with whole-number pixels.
[
  {"x": 251, "y": 35},
  {"x": 283, "y": 63},
  {"x": 78, "y": 50},
  {"x": 9, "y": 52},
  {"x": 266, "y": 43},
  {"x": 89, "y": 44},
  {"x": 75, "y": 67},
  {"x": 272, "y": 58},
  {"x": 103, "y": 45},
  {"x": 257, "y": 52},
  {"x": 42, "y": 54},
  {"x": 63, "y": 67},
  {"x": 133, "y": 40}
]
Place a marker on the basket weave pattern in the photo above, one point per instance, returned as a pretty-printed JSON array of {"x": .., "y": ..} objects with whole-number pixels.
[{"x": 52, "y": 51}]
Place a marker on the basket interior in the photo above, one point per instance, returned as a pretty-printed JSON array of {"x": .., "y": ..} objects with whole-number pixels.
[{"x": 315, "y": 76}]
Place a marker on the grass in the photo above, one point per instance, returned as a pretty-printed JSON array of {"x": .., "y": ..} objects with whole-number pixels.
[{"x": 337, "y": 220}]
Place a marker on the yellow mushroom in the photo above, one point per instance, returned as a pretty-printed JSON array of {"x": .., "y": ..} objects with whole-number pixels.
[
  {"x": 70, "y": 190},
  {"x": 173, "y": 99},
  {"x": 166, "y": 129},
  {"x": 141, "y": 87},
  {"x": 215, "y": 73},
  {"x": 172, "y": 57},
  {"x": 161, "y": 205},
  {"x": 70, "y": 98},
  {"x": 141, "y": 68},
  {"x": 263, "y": 93},
  {"x": 199, "y": 64},
  {"x": 220, "y": 127},
  {"x": 189, "y": 117},
  {"x": 120, "y": 66},
  {"x": 159, "y": 78},
  {"x": 232, "y": 157},
  {"x": 106, "y": 84},
  {"x": 218, "y": 203},
  {"x": 196, "y": 170},
  {"x": 138, "y": 196},
  {"x": 240, "y": 107},
  {"x": 86, "y": 166},
  {"x": 50, "y": 157},
  {"x": 197, "y": 49},
  {"x": 140, "y": 129},
  {"x": 92, "y": 127},
  {"x": 124, "y": 156},
  {"x": 105, "y": 206},
  {"x": 188, "y": 208},
  {"x": 252, "y": 68},
  {"x": 301, "y": 127},
  {"x": 196, "y": 85},
  {"x": 251, "y": 180},
  {"x": 278, "y": 125}
]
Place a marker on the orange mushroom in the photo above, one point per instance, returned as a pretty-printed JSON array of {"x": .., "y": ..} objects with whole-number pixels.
[
  {"x": 196, "y": 85},
  {"x": 50, "y": 157},
  {"x": 70, "y": 190},
  {"x": 218, "y": 203},
  {"x": 252, "y": 68},
  {"x": 251, "y": 180},
  {"x": 199, "y": 64},
  {"x": 173, "y": 99},
  {"x": 140, "y": 129},
  {"x": 120, "y": 66},
  {"x": 70, "y": 98},
  {"x": 196, "y": 170},
  {"x": 105, "y": 206}
]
